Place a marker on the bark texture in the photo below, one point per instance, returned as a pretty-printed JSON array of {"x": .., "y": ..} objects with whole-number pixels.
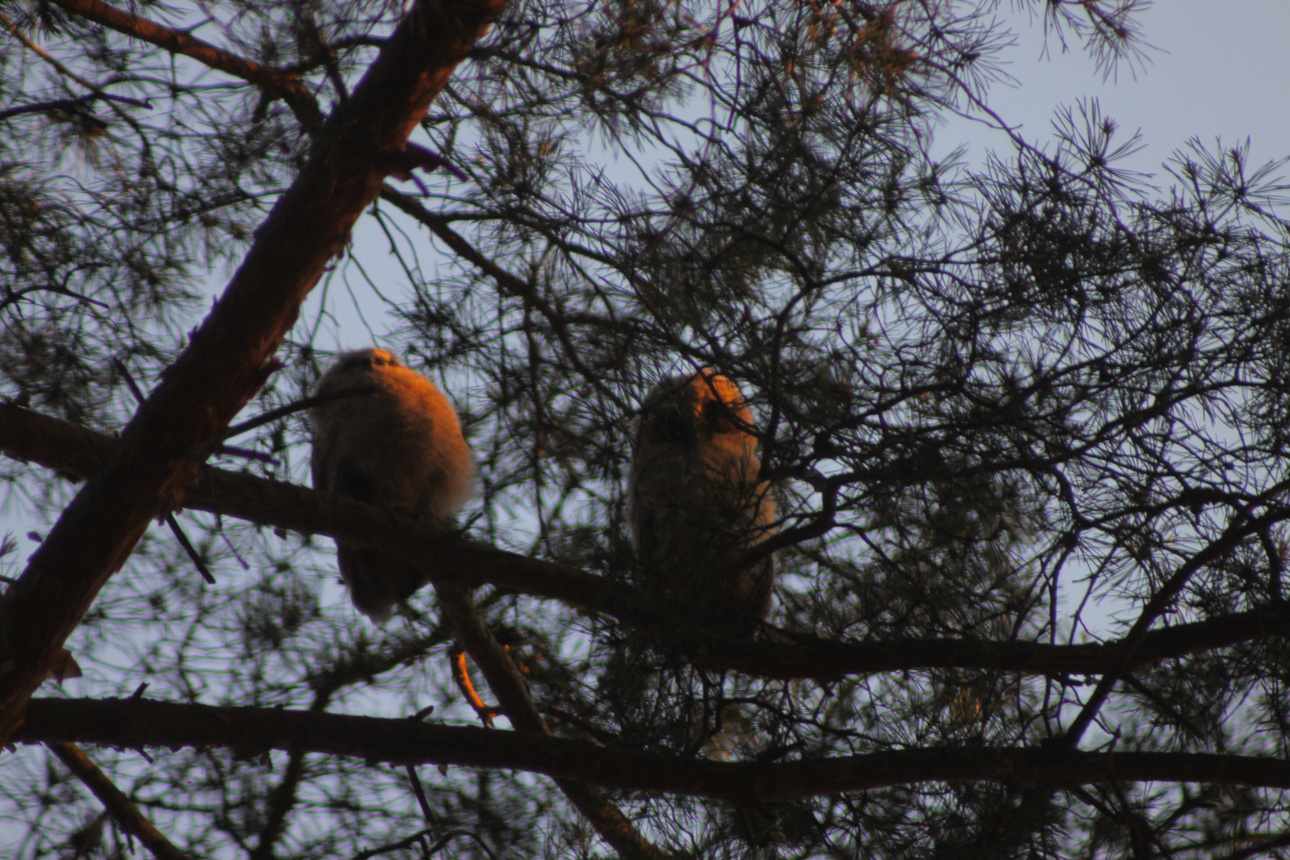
[{"x": 151, "y": 468}]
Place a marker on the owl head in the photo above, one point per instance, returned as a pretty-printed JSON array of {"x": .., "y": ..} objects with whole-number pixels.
[
  {"x": 700, "y": 410},
  {"x": 352, "y": 367}
]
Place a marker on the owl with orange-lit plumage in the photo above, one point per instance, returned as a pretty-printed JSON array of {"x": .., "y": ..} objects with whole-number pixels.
[
  {"x": 387, "y": 436},
  {"x": 696, "y": 505}
]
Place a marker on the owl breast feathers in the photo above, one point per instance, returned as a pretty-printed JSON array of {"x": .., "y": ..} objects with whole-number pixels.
[
  {"x": 392, "y": 439},
  {"x": 695, "y": 503}
]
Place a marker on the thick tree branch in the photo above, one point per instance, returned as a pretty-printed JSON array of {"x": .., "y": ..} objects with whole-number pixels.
[
  {"x": 115, "y": 801},
  {"x": 76, "y": 451},
  {"x": 139, "y": 723},
  {"x": 155, "y": 463},
  {"x": 283, "y": 85}
]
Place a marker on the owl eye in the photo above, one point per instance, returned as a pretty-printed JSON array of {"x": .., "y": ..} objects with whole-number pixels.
[
  {"x": 719, "y": 419},
  {"x": 668, "y": 423}
]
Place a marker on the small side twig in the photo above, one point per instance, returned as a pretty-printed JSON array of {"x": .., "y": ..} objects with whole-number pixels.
[
  {"x": 417, "y": 788},
  {"x": 71, "y": 105},
  {"x": 115, "y": 801},
  {"x": 175, "y": 528},
  {"x": 419, "y": 838},
  {"x": 420, "y": 792},
  {"x": 190, "y": 549},
  {"x": 461, "y": 674},
  {"x": 293, "y": 407}
]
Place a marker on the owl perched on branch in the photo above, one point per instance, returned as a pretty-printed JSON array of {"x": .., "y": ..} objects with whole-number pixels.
[
  {"x": 392, "y": 439},
  {"x": 695, "y": 504}
]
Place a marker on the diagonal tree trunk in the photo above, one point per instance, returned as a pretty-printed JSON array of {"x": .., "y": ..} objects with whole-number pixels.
[{"x": 151, "y": 468}]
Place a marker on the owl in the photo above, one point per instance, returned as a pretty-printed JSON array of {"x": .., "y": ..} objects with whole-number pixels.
[
  {"x": 394, "y": 442},
  {"x": 695, "y": 504}
]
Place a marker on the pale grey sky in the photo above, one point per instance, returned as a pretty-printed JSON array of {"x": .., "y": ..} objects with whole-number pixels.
[{"x": 1218, "y": 70}]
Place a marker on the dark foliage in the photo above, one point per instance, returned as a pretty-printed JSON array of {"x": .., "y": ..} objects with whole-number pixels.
[{"x": 1038, "y": 401}]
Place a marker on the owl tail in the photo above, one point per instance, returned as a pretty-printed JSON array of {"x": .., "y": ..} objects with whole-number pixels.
[{"x": 377, "y": 582}]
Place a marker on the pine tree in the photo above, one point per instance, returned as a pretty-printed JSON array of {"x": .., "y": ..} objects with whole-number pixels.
[{"x": 1026, "y": 425}]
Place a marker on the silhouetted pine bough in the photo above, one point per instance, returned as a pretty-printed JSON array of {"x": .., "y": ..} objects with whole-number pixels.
[{"x": 1007, "y": 440}]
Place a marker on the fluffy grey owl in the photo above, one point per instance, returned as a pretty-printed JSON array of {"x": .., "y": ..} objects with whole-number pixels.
[
  {"x": 398, "y": 445},
  {"x": 695, "y": 503}
]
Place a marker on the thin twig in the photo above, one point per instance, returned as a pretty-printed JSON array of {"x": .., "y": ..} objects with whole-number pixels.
[
  {"x": 175, "y": 528},
  {"x": 70, "y": 104},
  {"x": 421, "y": 834},
  {"x": 507, "y": 281},
  {"x": 293, "y": 407},
  {"x": 189, "y": 548},
  {"x": 420, "y": 793},
  {"x": 122, "y": 809}
]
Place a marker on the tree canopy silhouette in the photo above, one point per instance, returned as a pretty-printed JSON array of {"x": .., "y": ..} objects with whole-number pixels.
[{"x": 1026, "y": 425}]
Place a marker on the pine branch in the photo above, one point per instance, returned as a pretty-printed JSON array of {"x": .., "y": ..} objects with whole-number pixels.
[
  {"x": 140, "y": 723},
  {"x": 229, "y": 357},
  {"x": 511, "y": 689},
  {"x": 115, "y": 801},
  {"x": 508, "y": 283},
  {"x": 282, "y": 85},
  {"x": 76, "y": 451}
]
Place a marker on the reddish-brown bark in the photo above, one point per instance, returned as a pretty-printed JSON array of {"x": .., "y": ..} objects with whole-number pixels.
[
  {"x": 272, "y": 81},
  {"x": 151, "y": 468}
]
